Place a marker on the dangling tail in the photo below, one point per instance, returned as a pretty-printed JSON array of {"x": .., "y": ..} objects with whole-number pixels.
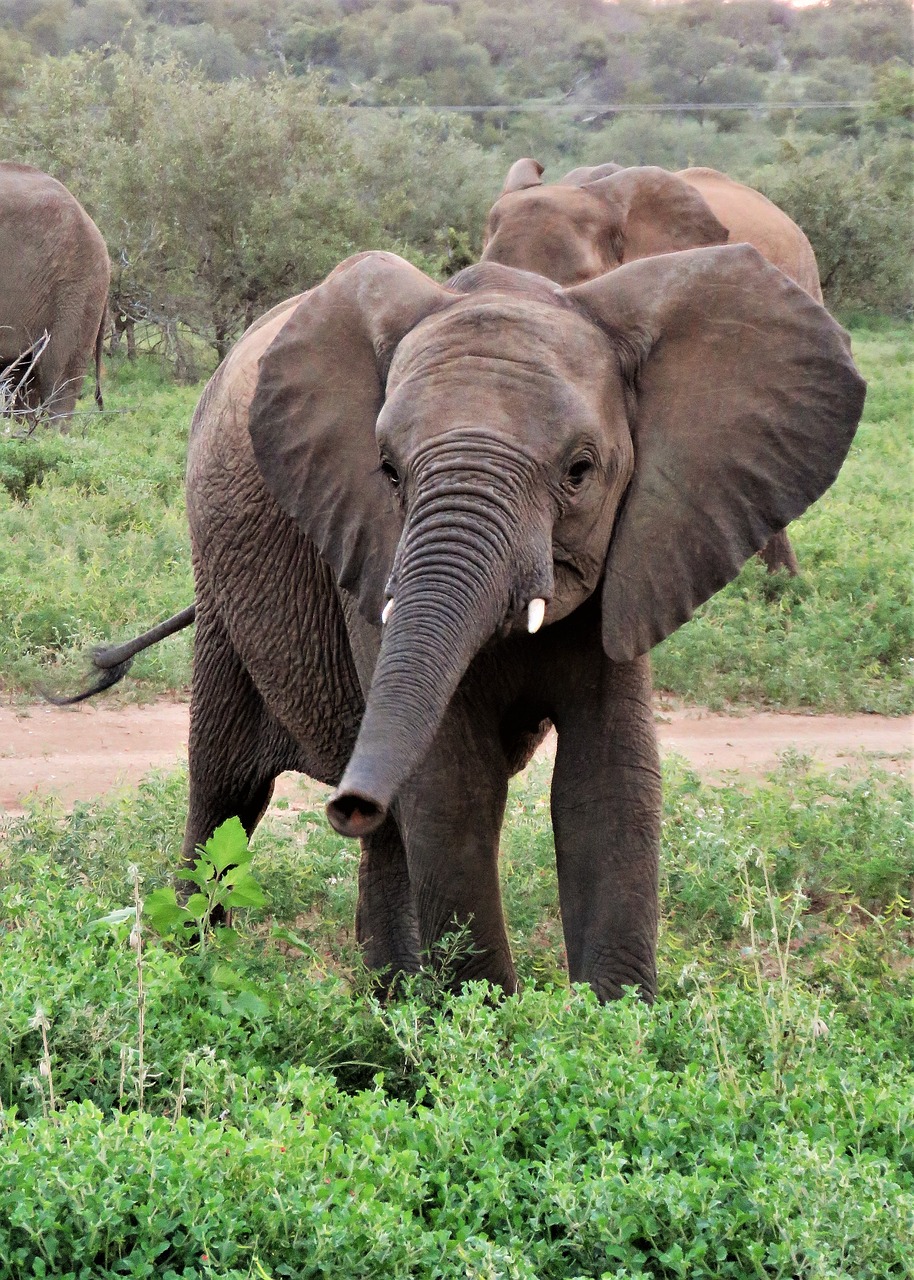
[
  {"x": 114, "y": 663},
  {"x": 99, "y": 343}
]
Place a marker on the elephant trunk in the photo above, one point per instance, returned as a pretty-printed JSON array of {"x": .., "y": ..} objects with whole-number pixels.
[{"x": 467, "y": 567}]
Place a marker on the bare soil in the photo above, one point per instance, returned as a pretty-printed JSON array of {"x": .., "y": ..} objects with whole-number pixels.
[{"x": 79, "y": 753}]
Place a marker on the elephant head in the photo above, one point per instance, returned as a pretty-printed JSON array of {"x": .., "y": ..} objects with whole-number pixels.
[
  {"x": 594, "y": 220},
  {"x": 473, "y": 461}
]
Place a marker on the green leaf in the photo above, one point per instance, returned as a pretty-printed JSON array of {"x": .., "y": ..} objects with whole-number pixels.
[
  {"x": 246, "y": 892},
  {"x": 251, "y": 1006},
  {"x": 119, "y": 916},
  {"x": 228, "y": 846},
  {"x": 287, "y": 935},
  {"x": 199, "y": 874},
  {"x": 197, "y": 905},
  {"x": 163, "y": 910},
  {"x": 226, "y": 979}
]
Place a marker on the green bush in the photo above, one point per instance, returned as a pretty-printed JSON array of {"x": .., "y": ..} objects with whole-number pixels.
[
  {"x": 756, "y": 1121},
  {"x": 856, "y": 219}
]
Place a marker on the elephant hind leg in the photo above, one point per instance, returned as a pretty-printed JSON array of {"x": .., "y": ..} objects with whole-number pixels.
[
  {"x": 236, "y": 748},
  {"x": 777, "y": 553}
]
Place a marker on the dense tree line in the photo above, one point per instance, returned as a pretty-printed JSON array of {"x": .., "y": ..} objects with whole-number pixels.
[
  {"x": 217, "y": 200},
  {"x": 455, "y": 52},
  {"x": 232, "y": 151}
]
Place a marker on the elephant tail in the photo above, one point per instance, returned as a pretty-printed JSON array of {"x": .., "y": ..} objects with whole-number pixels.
[
  {"x": 99, "y": 343},
  {"x": 114, "y": 663}
]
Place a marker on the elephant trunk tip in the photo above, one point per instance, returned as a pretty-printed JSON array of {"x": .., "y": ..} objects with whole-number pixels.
[{"x": 352, "y": 813}]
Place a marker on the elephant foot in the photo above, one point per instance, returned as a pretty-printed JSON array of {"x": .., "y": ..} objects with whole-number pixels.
[{"x": 778, "y": 554}]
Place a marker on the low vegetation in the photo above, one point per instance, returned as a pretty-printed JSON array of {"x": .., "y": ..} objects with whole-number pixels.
[
  {"x": 265, "y": 1116},
  {"x": 93, "y": 547}
]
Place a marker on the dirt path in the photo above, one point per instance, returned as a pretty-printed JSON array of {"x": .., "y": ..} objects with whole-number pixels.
[{"x": 82, "y": 752}]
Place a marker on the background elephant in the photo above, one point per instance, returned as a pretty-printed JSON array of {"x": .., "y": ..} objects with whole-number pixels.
[
  {"x": 428, "y": 520},
  {"x": 55, "y": 278},
  {"x": 595, "y": 219},
  {"x": 751, "y": 218}
]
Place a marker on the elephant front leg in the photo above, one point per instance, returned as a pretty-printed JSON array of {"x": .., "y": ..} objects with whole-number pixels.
[
  {"x": 606, "y": 817},
  {"x": 450, "y": 814},
  {"x": 385, "y": 923}
]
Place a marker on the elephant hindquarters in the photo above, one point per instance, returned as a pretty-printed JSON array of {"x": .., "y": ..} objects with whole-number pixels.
[{"x": 234, "y": 751}]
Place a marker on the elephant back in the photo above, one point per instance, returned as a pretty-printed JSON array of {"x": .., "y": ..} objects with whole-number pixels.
[{"x": 751, "y": 218}]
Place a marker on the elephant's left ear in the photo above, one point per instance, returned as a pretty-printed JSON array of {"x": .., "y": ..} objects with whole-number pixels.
[
  {"x": 746, "y": 402},
  {"x": 658, "y": 212}
]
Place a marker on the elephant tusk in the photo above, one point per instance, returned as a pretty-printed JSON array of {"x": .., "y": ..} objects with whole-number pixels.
[
  {"x": 536, "y": 611},
  {"x": 387, "y": 611}
]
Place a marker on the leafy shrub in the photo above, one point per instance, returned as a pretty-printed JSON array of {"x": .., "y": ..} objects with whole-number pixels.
[
  {"x": 25, "y": 463},
  {"x": 755, "y": 1121},
  {"x": 852, "y": 217}
]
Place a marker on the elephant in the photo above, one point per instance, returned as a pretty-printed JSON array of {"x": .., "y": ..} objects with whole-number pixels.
[
  {"x": 428, "y": 521},
  {"x": 595, "y": 219},
  {"x": 56, "y": 276}
]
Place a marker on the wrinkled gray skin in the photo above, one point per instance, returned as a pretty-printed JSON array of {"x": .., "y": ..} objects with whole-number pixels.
[
  {"x": 55, "y": 277},
  {"x": 595, "y": 219},
  {"x": 608, "y": 449}
]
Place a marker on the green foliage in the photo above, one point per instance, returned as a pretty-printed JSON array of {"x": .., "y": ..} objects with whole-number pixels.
[
  {"x": 756, "y": 1121},
  {"x": 297, "y": 138},
  {"x": 853, "y": 214},
  {"x": 14, "y": 54},
  {"x": 253, "y": 193},
  {"x": 249, "y": 196},
  {"x": 24, "y": 463},
  {"x": 94, "y": 534},
  {"x": 222, "y": 874}
]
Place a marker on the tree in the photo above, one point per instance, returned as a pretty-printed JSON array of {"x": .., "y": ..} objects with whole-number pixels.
[
  {"x": 422, "y": 176},
  {"x": 14, "y": 54},
  {"x": 251, "y": 194},
  {"x": 854, "y": 221}
]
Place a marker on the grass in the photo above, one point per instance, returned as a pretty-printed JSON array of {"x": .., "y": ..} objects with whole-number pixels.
[
  {"x": 93, "y": 547},
  {"x": 93, "y": 536},
  {"x": 756, "y": 1122}
]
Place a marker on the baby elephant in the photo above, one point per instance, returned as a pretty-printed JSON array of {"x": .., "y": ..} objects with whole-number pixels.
[{"x": 428, "y": 520}]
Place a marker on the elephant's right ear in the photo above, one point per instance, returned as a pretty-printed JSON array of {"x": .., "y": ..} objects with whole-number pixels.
[
  {"x": 658, "y": 212},
  {"x": 522, "y": 174},
  {"x": 312, "y": 418}
]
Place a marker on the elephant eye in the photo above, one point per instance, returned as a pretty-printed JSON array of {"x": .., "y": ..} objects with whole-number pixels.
[
  {"x": 577, "y": 473},
  {"x": 391, "y": 472}
]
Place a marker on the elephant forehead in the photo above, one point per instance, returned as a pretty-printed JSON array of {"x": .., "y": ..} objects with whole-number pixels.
[
  {"x": 509, "y": 340},
  {"x": 546, "y": 206}
]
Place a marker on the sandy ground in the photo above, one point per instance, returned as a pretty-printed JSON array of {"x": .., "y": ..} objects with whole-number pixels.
[{"x": 82, "y": 752}]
